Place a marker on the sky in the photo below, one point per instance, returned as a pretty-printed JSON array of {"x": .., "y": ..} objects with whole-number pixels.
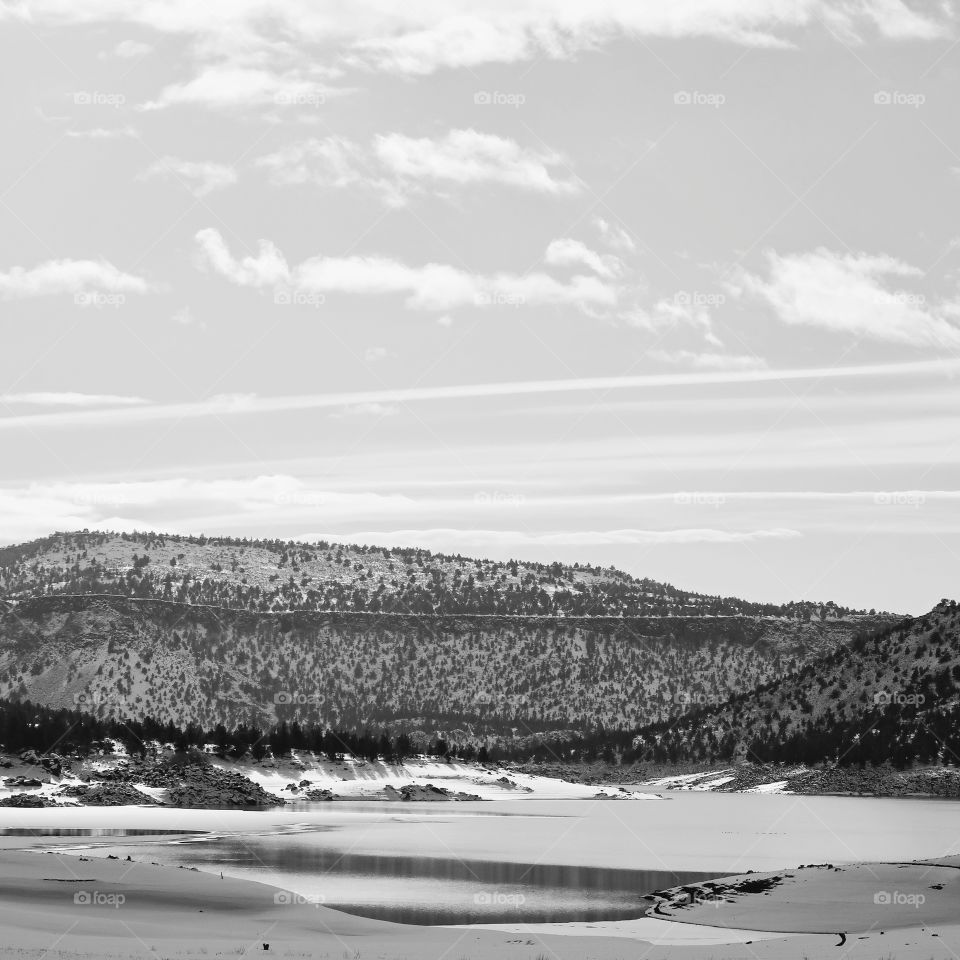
[{"x": 672, "y": 287}]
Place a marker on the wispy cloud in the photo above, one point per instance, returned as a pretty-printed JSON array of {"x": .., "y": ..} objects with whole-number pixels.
[
  {"x": 61, "y": 399},
  {"x": 68, "y": 276},
  {"x": 855, "y": 294},
  {"x": 199, "y": 176},
  {"x": 237, "y": 404},
  {"x": 434, "y": 286},
  {"x": 397, "y": 166}
]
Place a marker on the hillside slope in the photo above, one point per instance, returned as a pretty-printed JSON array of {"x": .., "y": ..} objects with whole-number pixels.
[
  {"x": 182, "y": 663},
  {"x": 891, "y": 697},
  {"x": 273, "y": 576}
]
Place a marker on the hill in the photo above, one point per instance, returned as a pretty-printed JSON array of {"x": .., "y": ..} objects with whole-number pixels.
[
  {"x": 891, "y": 697},
  {"x": 190, "y": 630},
  {"x": 275, "y": 576}
]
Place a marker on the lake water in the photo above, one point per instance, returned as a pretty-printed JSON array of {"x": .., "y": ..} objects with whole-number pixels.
[{"x": 513, "y": 861}]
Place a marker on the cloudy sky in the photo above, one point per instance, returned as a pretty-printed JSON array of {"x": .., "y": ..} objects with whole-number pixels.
[{"x": 672, "y": 286}]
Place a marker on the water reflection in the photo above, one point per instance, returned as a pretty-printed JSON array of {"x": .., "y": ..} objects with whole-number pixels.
[{"x": 433, "y": 890}]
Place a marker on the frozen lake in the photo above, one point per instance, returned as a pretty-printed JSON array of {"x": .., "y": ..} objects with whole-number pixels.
[{"x": 507, "y": 860}]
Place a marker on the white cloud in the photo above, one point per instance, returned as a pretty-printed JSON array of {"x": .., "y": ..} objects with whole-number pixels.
[
  {"x": 614, "y": 236},
  {"x": 683, "y": 309},
  {"x": 708, "y": 361},
  {"x": 267, "y": 269},
  {"x": 433, "y": 286},
  {"x": 103, "y": 133},
  {"x": 566, "y": 252},
  {"x": 396, "y": 166},
  {"x": 200, "y": 176},
  {"x": 468, "y": 156},
  {"x": 854, "y": 294},
  {"x": 229, "y": 85},
  {"x": 437, "y": 537},
  {"x": 53, "y": 399},
  {"x": 68, "y": 276},
  {"x": 132, "y": 49},
  {"x": 227, "y": 404}
]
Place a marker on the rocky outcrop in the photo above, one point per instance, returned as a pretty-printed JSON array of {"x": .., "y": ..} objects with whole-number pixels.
[
  {"x": 107, "y": 795},
  {"x": 27, "y": 800}
]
